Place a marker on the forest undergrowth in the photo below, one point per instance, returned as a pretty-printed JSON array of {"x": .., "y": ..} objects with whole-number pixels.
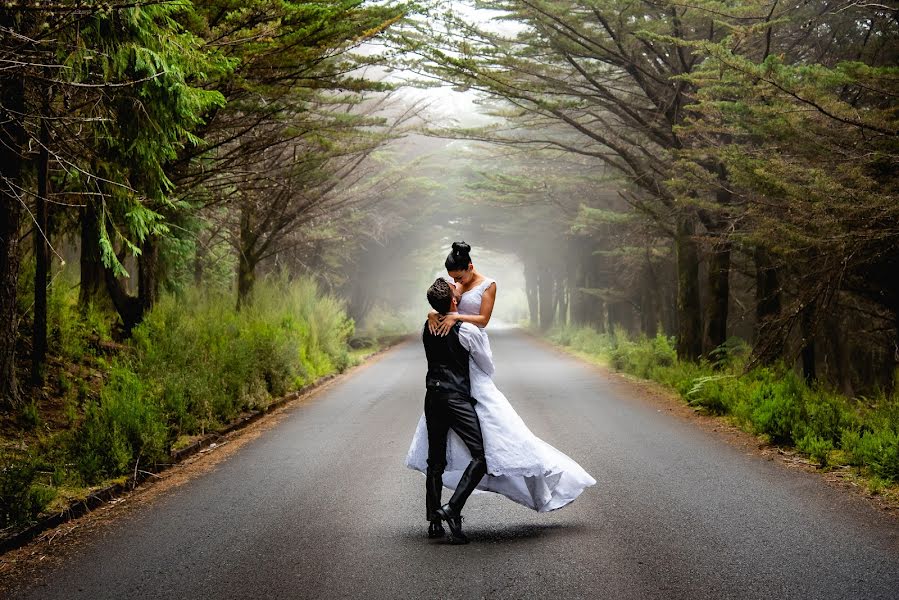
[
  {"x": 773, "y": 401},
  {"x": 196, "y": 363}
]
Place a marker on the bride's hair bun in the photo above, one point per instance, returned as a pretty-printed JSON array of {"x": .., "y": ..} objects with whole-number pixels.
[
  {"x": 461, "y": 248},
  {"x": 459, "y": 257}
]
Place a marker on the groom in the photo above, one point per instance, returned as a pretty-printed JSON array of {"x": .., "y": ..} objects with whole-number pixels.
[{"x": 449, "y": 405}]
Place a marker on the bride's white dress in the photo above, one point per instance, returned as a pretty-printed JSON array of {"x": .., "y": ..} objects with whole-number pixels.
[{"x": 520, "y": 466}]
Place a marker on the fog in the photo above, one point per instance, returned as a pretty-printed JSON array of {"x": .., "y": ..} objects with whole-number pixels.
[
  {"x": 434, "y": 207},
  {"x": 515, "y": 208}
]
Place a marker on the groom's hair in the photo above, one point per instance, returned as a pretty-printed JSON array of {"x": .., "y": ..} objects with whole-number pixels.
[{"x": 440, "y": 296}]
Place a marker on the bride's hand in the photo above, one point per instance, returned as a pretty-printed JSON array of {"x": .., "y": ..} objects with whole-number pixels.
[
  {"x": 434, "y": 320},
  {"x": 446, "y": 323}
]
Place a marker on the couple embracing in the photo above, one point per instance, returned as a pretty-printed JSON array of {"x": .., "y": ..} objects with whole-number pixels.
[{"x": 469, "y": 436}]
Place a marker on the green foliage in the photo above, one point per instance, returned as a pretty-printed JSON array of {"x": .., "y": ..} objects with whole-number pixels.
[
  {"x": 706, "y": 393},
  {"x": 809, "y": 151},
  {"x": 22, "y": 496},
  {"x": 381, "y": 321},
  {"x": 773, "y": 401},
  {"x": 817, "y": 448},
  {"x": 198, "y": 363},
  {"x": 71, "y": 328},
  {"x": 194, "y": 364},
  {"x": 159, "y": 111},
  {"x": 878, "y": 449},
  {"x": 642, "y": 357},
  {"x": 776, "y": 406},
  {"x": 30, "y": 416},
  {"x": 124, "y": 428},
  {"x": 159, "y": 71}
]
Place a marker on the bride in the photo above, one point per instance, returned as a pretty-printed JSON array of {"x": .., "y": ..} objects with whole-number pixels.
[{"x": 520, "y": 466}]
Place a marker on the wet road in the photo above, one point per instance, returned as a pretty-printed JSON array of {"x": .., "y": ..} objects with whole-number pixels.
[{"x": 321, "y": 507}]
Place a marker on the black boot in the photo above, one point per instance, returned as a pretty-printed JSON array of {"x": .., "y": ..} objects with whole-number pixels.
[
  {"x": 435, "y": 530},
  {"x": 451, "y": 512},
  {"x": 454, "y": 520},
  {"x": 433, "y": 491},
  {"x": 472, "y": 476}
]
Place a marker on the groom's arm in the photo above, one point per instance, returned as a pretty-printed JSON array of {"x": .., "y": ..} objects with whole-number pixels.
[{"x": 476, "y": 342}]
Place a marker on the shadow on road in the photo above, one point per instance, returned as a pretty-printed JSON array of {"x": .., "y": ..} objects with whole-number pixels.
[{"x": 509, "y": 534}]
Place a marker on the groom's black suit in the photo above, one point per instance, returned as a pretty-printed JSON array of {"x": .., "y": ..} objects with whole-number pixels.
[{"x": 449, "y": 405}]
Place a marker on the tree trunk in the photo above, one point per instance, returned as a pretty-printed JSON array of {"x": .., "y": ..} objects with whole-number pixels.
[
  {"x": 667, "y": 299},
  {"x": 199, "y": 258},
  {"x": 719, "y": 296},
  {"x": 128, "y": 307},
  {"x": 596, "y": 312},
  {"x": 148, "y": 274},
  {"x": 598, "y": 315},
  {"x": 562, "y": 301},
  {"x": 649, "y": 290},
  {"x": 689, "y": 314},
  {"x": 578, "y": 299},
  {"x": 649, "y": 322},
  {"x": 545, "y": 286},
  {"x": 767, "y": 287},
  {"x": 10, "y": 218},
  {"x": 246, "y": 279},
  {"x": 621, "y": 317},
  {"x": 42, "y": 260},
  {"x": 807, "y": 327},
  {"x": 132, "y": 309},
  {"x": 12, "y": 141},
  {"x": 894, "y": 381},
  {"x": 246, "y": 265},
  {"x": 840, "y": 364},
  {"x": 768, "y": 344},
  {"x": 530, "y": 289},
  {"x": 92, "y": 276}
]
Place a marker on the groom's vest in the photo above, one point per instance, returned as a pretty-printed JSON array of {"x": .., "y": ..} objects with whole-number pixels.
[{"x": 447, "y": 363}]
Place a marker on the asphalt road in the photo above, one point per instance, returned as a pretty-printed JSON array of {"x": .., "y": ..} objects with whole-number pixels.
[{"x": 321, "y": 506}]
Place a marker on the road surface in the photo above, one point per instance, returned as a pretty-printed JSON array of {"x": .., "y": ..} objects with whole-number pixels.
[{"x": 321, "y": 507}]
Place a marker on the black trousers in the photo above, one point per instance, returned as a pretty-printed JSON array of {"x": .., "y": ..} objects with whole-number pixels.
[{"x": 442, "y": 413}]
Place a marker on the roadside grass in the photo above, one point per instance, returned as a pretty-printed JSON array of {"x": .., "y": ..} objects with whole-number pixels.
[
  {"x": 190, "y": 368},
  {"x": 772, "y": 402},
  {"x": 383, "y": 323}
]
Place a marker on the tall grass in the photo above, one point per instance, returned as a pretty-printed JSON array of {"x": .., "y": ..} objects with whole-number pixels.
[
  {"x": 385, "y": 321},
  {"x": 197, "y": 363},
  {"x": 191, "y": 367},
  {"x": 771, "y": 401}
]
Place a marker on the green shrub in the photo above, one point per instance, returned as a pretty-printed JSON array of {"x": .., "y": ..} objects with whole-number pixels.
[
  {"x": 879, "y": 450},
  {"x": 71, "y": 328},
  {"x": 582, "y": 339},
  {"x": 827, "y": 415},
  {"x": 817, "y": 448},
  {"x": 194, "y": 363},
  {"x": 729, "y": 355},
  {"x": 209, "y": 362},
  {"x": 382, "y": 321},
  {"x": 777, "y": 407},
  {"x": 773, "y": 401},
  {"x": 125, "y": 427},
  {"x": 850, "y": 440},
  {"x": 30, "y": 416},
  {"x": 876, "y": 485},
  {"x": 710, "y": 394},
  {"x": 22, "y": 497}
]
